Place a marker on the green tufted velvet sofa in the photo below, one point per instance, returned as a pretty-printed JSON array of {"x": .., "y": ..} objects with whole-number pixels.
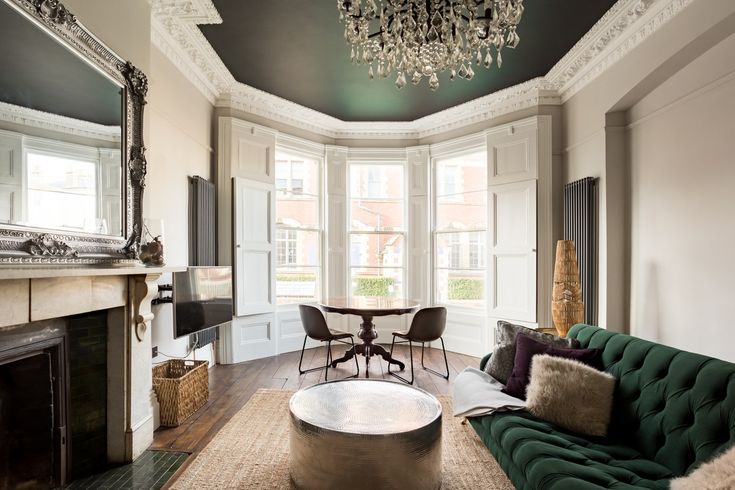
[{"x": 673, "y": 410}]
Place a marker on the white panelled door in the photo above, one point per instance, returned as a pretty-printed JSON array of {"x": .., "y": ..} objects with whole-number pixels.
[
  {"x": 254, "y": 245},
  {"x": 512, "y": 265}
]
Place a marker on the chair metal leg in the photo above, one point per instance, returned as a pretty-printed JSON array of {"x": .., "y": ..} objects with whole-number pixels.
[
  {"x": 329, "y": 356},
  {"x": 392, "y": 344},
  {"x": 329, "y": 359},
  {"x": 410, "y": 350},
  {"x": 446, "y": 364},
  {"x": 302, "y": 354}
]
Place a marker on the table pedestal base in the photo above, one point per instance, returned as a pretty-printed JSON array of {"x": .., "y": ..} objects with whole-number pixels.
[{"x": 368, "y": 334}]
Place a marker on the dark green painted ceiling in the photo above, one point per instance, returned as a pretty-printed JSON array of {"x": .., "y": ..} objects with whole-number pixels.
[
  {"x": 295, "y": 49},
  {"x": 39, "y": 73}
]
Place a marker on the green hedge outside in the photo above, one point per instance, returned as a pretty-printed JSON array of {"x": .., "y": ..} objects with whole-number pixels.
[
  {"x": 465, "y": 288},
  {"x": 296, "y": 277},
  {"x": 372, "y": 286}
]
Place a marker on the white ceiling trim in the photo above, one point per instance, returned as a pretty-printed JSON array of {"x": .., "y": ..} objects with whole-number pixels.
[{"x": 621, "y": 29}]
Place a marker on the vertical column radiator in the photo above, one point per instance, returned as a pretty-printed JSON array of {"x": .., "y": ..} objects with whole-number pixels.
[
  {"x": 580, "y": 225},
  {"x": 202, "y": 238}
]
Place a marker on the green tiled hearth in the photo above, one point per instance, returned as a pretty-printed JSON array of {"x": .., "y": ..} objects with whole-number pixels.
[{"x": 151, "y": 471}]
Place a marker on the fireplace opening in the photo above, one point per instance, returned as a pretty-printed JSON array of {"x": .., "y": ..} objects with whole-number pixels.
[
  {"x": 32, "y": 427},
  {"x": 53, "y": 401}
]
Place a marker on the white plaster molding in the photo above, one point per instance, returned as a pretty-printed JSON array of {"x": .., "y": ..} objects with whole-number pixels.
[
  {"x": 32, "y": 118},
  {"x": 625, "y": 26},
  {"x": 621, "y": 29},
  {"x": 300, "y": 145},
  {"x": 376, "y": 154}
]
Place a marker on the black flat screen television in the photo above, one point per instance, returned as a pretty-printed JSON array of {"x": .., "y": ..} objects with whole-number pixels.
[{"x": 202, "y": 298}]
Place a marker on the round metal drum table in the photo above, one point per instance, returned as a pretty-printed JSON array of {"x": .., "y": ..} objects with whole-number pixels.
[{"x": 365, "y": 434}]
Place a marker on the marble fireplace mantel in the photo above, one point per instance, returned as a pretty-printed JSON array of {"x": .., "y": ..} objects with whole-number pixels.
[{"x": 30, "y": 294}]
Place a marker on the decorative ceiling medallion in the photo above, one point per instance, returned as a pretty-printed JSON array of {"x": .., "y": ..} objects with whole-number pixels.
[{"x": 422, "y": 38}]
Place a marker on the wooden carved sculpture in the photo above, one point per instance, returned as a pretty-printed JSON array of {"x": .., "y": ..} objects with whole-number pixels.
[{"x": 567, "y": 308}]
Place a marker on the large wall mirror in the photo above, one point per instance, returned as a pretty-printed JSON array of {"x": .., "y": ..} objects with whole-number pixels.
[{"x": 71, "y": 141}]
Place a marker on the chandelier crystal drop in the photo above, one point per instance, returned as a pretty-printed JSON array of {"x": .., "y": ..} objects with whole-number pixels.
[{"x": 416, "y": 39}]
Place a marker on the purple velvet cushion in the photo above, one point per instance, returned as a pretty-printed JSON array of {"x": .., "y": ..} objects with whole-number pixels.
[{"x": 526, "y": 348}]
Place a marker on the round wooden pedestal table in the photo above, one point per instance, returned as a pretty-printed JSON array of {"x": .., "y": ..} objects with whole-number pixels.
[{"x": 365, "y": 434}]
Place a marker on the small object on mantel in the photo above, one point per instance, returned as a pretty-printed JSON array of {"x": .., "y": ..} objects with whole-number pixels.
[{"x": 151, "y": 253}]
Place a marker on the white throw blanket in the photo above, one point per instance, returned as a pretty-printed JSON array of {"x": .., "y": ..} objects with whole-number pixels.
[{"x": 477, "y": 393}]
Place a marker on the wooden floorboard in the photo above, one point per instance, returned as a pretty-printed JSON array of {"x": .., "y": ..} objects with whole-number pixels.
[{"x": 231, "y": 386}]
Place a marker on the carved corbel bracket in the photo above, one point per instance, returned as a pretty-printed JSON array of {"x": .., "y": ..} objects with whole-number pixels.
[{"x": 143, "y": 289}]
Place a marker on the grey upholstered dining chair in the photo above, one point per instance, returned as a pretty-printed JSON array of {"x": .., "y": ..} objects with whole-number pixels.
[
  {"x": 315, "y": 327},
  {"x": 427, "y": 326}
]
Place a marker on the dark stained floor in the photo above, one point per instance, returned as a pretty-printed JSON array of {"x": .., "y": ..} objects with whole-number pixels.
[{"x": 231, "y": 386}]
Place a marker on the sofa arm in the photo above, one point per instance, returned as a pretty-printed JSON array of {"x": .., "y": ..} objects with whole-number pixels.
[{"x": 484, "y": 361}]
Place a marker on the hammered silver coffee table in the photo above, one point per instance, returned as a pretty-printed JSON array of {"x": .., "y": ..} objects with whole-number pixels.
[{"x": 365, "y": 434}]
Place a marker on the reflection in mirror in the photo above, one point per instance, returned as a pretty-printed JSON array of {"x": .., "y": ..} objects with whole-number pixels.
[{"x": 60, "y": 135}]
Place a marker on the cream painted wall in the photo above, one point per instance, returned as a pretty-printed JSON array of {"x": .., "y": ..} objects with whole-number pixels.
[
  {"x": 177, "y": 135},
  {"x": 179, "y": 126},
  {"x": 682, "y": 176},
  {"x": 594, "y": 143},
  {"x": 123, "y": 25}
]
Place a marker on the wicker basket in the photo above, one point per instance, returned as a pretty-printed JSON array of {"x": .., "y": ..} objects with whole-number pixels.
[{"x": 182, "y": 388}]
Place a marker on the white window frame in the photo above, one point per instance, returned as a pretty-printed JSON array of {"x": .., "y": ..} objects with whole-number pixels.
[
  {"x": 61, "y": 149},
  {"x": 456, "y": 151},
  {"x": 378, "y": 161},
  {"x": 319, "y": 229}
]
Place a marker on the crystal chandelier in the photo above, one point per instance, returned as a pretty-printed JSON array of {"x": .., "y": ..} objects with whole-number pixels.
[{"x": 422, "y": 38}]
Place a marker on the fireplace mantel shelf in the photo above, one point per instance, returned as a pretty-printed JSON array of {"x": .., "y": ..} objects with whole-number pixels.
[
  {"x": 30, "y": 294},
  {"x": 33, "y": 272}
]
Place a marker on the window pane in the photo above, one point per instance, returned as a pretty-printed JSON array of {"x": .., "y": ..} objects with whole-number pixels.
[
  {"x": 62, "y": 193},
  {"x": 376, "y": 181},
  {"x": 296, "y": 175},
  {"x": 461, "y": 250},
  {"x": 63, "y": 210},
  {"x": 384, "y": 215},
  {"x": 466, "y": 173},
  {"x": 376, "y": 250},
  {"x": 297, "y": 284},
  {"x": 460, "y": 287},
  {"x": 52, "y": 173},
  {"x": 462, "y": 212},
  {"x": 296, "y": 247},
  {"x": 377, "y": 282},
  {"x": 297, "y": 210}
]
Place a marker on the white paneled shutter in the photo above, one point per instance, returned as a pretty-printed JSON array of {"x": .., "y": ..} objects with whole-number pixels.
[
  {"x": 512, "y": 201},
  {"x": 253, "y": 246}
]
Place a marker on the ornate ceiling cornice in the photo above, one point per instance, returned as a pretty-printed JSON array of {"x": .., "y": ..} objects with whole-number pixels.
[
  {"x": 33, "y": 118},
  {"x": 621, "y": 29}
]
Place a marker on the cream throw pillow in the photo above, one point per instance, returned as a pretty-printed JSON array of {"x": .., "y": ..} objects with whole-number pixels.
[
  {"x": 570, "y": 394},
  {"x": 718, "y": 474}
]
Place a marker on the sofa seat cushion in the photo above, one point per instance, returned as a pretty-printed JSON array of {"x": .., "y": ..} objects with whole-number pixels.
[{"x": 538, "y": 455}]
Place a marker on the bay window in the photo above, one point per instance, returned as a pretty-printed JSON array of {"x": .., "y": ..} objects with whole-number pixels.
[
  {"x": 460, "y": 229},
  {"x": 377, "y": 240},
  {"x": 298, "y": 228}
]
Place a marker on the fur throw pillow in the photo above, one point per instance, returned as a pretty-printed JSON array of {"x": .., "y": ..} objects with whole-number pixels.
[
  {"x": 500, "y": 364},
  {"x": 718, "y": 474},
  {"x": 570, "y": 394}
]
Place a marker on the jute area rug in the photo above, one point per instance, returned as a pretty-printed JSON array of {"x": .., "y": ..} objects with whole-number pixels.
[{"x": 251, "y": 451}]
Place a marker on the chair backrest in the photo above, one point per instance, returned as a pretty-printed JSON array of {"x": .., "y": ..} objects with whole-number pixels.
[
  {"x": 314, "y": 323},
  {"x": 428, "y": 324}
]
